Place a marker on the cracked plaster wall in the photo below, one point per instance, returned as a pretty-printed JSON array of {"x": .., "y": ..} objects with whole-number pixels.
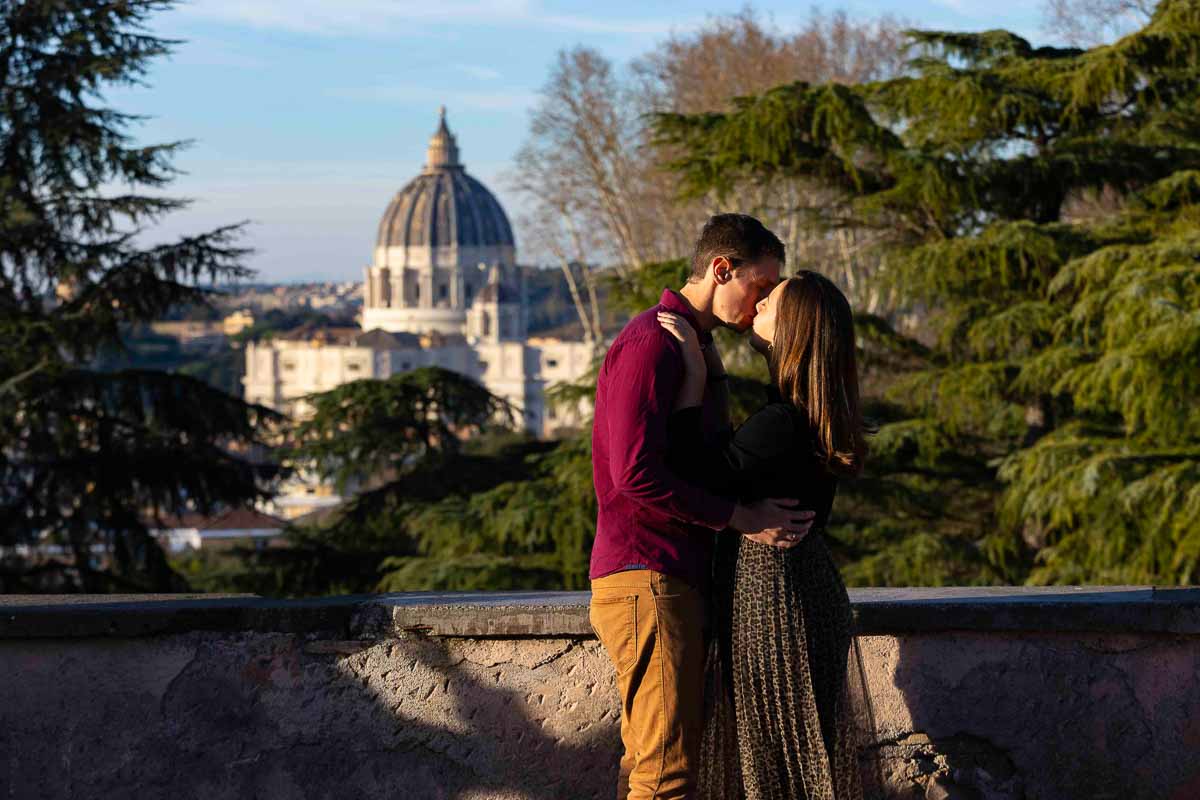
[{"x": 989, "y": 716}]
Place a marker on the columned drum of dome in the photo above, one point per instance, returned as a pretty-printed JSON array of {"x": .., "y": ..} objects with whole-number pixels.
[{"x": 438, "y": 243}]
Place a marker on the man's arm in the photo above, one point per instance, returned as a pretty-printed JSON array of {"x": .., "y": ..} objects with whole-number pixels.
[{"x": 643, "y": 380}]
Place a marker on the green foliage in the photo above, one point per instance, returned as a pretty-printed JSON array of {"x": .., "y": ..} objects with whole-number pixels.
[
  {"x": 221, "y": 367},
  {"x": 523, "y": 534},
  {"x": 313, "y": 563},
  {"x": 643, "y": 287},
  {"x": 1054, "y": 416},
  {"x": 275, "y": 321},
  {"x": 88, "y": 453},
  {"x": 393, "y": 427}
]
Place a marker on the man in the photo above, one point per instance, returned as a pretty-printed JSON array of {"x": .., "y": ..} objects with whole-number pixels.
[{"x": 650, "y": 564}]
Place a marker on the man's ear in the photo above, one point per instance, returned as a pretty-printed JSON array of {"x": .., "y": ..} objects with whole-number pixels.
[{"x": 722, "y": 269}]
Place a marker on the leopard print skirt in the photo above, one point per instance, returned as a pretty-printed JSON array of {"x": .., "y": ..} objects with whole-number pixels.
[{"x": 779, "y": 725}]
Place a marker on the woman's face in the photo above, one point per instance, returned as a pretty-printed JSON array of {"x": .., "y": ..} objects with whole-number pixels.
[{"x": 763, "y": 331}]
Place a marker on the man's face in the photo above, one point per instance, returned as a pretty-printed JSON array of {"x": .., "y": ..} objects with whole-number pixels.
[{"x": 740, "y": 287}]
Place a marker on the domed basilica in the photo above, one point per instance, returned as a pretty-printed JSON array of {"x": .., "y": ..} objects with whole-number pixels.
[
  {"x": 443, "y": 289},
  {"x": 443, "y": 239}
]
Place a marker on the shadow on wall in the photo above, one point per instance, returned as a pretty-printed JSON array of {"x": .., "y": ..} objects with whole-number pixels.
[
  {"x": 938, "y": 738},
  {"x": 418, "y": 718},
  {"x": 216, "y": 716},
  {"x": 1027, "y": 716}
]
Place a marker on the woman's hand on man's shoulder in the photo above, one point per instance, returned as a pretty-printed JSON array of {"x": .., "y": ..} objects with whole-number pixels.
[{"x": 689, "y": 341}]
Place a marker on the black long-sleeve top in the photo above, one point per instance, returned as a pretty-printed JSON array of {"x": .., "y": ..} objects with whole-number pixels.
[{"x": 773, "y": 454}]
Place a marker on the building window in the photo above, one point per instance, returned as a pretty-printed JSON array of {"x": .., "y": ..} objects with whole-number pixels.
[
  {"x": 417, "y": 293},
  {"x": 551, "y": 363},
  {"x": 288, "y": 366},
  {"x": 406, "y": 366},
  {"x": 443, "y": 292}
]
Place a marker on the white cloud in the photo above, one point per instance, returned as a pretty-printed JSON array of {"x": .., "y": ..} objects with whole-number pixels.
[
  {"x": 339, "y": 17},
  {"x": 392, "y": 17},
  {"x": 988, "y": 10},
  {"x": 213, "y": 53},
  {"x": 476, "y": 71},
  {"x": 628, "y": 26},
  {"x": 429, "y": 96}
]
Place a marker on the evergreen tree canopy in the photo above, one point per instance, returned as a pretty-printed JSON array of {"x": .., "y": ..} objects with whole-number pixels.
[
  {"x": 1042, "y": 206},
  {"x": 392, "y": 445},
  {"x": 394, "y": 428},
  {"x": 531, "y": 531},
  {"x": 87, "y": 454}
]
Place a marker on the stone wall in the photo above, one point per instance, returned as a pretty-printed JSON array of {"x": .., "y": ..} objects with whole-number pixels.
[{"x": 975, "y": 693}]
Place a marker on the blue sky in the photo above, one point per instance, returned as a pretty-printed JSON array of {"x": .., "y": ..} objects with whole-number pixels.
[{"x": 307, "y": 115}]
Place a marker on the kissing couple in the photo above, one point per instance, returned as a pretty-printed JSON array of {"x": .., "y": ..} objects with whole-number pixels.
[{"x": 713, "y": 590}]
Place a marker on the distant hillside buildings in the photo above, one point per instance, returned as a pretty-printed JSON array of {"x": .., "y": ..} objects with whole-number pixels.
[
  {"x": 192, "y": 333},
  {"x": 328, "y": 297}
]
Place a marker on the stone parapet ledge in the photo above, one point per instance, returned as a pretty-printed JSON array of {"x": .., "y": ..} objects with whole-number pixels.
[
  {"x": 1097, "y": 609},
  {"x": 996, "y": 693}
]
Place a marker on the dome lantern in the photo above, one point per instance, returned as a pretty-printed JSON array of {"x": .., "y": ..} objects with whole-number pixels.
[{"x": 443, "y": 149}]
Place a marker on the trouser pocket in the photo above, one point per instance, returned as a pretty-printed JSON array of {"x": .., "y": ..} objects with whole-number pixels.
[{"x": 614, "y": 620}]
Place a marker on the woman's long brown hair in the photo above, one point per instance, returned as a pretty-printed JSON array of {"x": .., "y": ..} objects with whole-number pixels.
[{"x": 814, "y": 367}]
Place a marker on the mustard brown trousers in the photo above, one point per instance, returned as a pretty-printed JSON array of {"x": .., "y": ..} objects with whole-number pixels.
[{"x": 653, "y": 627}]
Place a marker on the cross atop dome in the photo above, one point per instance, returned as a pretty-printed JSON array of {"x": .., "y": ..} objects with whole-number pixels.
[{"x": 443, "y": 149}]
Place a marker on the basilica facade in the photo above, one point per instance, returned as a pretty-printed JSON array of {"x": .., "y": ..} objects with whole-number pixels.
[{"x": 444, "y": 290}]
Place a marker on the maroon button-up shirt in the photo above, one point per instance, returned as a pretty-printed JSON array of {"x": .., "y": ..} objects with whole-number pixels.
[{"x": 649, "y": 518}]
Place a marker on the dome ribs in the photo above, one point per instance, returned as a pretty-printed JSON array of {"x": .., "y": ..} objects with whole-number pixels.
[{"x": 444, "y": 206}]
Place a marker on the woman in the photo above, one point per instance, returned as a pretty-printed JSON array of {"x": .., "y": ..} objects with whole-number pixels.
[{"x": 779, "y": 723}]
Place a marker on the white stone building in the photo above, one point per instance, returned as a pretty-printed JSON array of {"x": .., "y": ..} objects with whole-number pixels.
[{"x": 443, "y": 290}]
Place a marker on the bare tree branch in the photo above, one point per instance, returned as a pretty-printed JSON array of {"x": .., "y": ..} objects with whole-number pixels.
[{"x": 1085, "y": 23}]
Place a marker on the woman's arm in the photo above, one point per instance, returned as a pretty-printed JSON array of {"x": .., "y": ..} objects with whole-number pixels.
[
  {"x": 736, "y": 467},
  {"x": 695, "y": 370},
  {"x": 733, "y": 465},
  {"x": 717, "y": 387}
]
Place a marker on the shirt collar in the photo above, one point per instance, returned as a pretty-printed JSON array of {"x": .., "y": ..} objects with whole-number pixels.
[{"x": 671, "y": 301}]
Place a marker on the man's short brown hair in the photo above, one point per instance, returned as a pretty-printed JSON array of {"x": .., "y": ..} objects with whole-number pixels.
[{"x": 739, "y": 237}]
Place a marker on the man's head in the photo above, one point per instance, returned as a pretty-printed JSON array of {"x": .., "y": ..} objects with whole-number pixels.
[{"x": 738, "y": 259}]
